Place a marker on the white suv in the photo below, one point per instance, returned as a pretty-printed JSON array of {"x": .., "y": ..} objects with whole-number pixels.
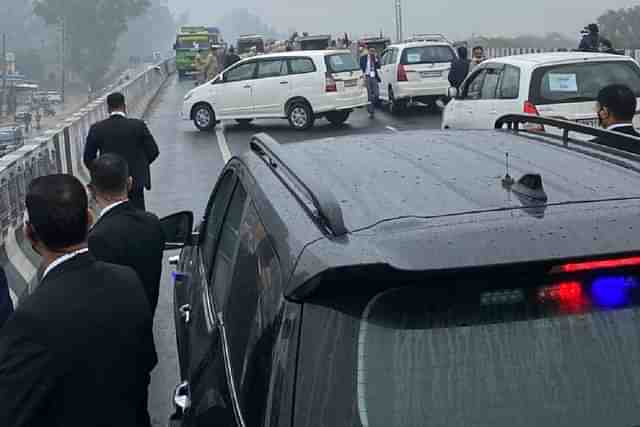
[
  {"x": 415, "y": 71},
  {"x": 298, "y": 86},
  {"x": 561, "y": 85}
]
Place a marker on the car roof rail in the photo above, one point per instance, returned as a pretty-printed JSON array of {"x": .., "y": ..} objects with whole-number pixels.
[
  {"x": 317, "y": 200},
  {"x": 436, "y": 37},
  {"x": 610, "y": 142}
]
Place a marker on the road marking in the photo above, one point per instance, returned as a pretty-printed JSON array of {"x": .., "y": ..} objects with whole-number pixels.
[
  {"x": 222, "y": 143},
  {"x": 17, "y": 258},
  {"x": 392, "y": 129}
]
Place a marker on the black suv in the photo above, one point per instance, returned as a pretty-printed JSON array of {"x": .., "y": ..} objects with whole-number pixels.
[{"x": 458, "y": 278}]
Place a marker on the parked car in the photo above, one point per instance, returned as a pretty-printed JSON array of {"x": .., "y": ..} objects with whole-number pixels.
[
  {"x": 422, "y": 275},
  {"x": 416, "y": 71},
  {"x": 561, "y": 85},
  {"x": 298, "y": 86}
]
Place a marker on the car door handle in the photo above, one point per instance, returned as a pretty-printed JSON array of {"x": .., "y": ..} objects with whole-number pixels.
[
  {"x": 247, "y": 87},
  {"x": 284, "y": 83},
  {"x": 185, "y": 313},
  {"x": 174, "y": 260}
]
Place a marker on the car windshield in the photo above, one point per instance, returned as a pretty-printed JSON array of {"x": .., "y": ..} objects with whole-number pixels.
[
  {"x": 564, "y": 354},
  {"x": 341, "y": 62},
  {"x": 581, "y": 82},
  {"x": 427, "y": 55}
]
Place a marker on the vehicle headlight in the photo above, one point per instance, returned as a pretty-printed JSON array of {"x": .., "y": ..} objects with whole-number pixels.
[{"x": 188, "y": 95}]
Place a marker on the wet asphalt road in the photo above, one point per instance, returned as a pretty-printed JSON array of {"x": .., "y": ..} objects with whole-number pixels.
[{"x": 185, "y": 174}]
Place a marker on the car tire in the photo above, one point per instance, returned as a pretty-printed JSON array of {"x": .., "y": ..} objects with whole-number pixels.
[
  {"x": 203, "y": 117},
  {"x": 395, "y": 105},
  {"x": 300, "y": 116},
  {"x": 338, "y": 118},
  {"x": 244, "y": 122}
]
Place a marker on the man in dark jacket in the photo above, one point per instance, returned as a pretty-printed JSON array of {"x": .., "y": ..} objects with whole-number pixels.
[
  {"x": 616, "y": 106},
  {"x": 129, "y": 138},
  {"x": 370, "y": 64},
  {"x": 592, "y": 41},
  {"x": 6, "y": 305},
  {"x": 79, "y": 350},
  {"x": 459, "y": 68},
  {"x": 122, "y": 234},
  {"x": 231, "y": 58}
]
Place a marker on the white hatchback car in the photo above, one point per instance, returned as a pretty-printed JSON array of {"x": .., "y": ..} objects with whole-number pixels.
[
  {"x": 298, "y": 86},
  {"x": 558, "y": 85},
  {"x": 415, "y": 71}
]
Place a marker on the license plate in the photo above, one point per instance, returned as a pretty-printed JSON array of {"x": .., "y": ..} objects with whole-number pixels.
[
  {"x": 429, "y": 74},
  {"x": 589, "y": 122},
  {"x": 350, "y": 83}
]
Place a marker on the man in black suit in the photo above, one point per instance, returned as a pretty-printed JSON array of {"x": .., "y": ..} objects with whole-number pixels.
[
  {"x": 6, "y": 305},
  {"x": 79, "y": 350},
  {"x": 616, "y": 106},
  {"x": 123, "y": 234},
  {"x": 129, "y": 138}
]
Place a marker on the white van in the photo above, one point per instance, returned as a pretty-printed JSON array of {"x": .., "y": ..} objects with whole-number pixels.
[
  {"x": 559, "y": 85},
  {"x": 298, "y": 86}
]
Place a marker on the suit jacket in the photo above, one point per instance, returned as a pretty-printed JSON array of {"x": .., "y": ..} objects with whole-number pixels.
[
  {"x": 129, "y": 138},
  {"x": 79, "y": 350},
  {"x": 6, "y": 305},
  {"x": 128, "y": 236},
  {"x": 459, "y": 71},
  {"x": 376, "y": 66},
  {"x": 621, "y": 143}
]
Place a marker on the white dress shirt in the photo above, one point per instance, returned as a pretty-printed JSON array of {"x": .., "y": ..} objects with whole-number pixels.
[
  {"x": 118, "y": 113},
  {"x": 111, "y": 206},
  {"x": 619, "y": 125},
  {"x": 63, "y": 259}
]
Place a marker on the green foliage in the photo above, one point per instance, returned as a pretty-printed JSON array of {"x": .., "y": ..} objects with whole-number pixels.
[
  {"x": 92, "y": 29},
  {"x": 622, "y": 27},
  {"x": 154, "y": 31}
]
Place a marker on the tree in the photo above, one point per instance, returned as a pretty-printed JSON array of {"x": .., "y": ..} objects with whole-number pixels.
[
  {"x": 622, "y": 27},
  {"x": 92, "y": 30}
]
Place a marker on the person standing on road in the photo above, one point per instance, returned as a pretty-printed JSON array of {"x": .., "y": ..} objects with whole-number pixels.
[
  {"x": 459, "y": 68},
  {"x": 477, "y": 57},
  {"x": 370, "y": 64},
  {"x": 231, "y": 58},
  {"x": 211, "y": 64},
  {"x": 79, "y": 350},
  {"x": 616, "y": 107},
  {"x": 6, "y": 305},
  {"x": 130, "y": 139},
  {"x": 122, "y": 234}
]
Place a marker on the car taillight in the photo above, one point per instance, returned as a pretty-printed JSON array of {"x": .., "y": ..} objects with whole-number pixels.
[
  {"x": 574, "y": 267},
  {"x": 330, "y": 85},
  {"x": 530, "y": 108},
  {"x": 402, "y": 74}
]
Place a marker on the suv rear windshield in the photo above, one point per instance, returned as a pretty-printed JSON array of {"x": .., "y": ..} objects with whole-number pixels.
[
  {"x": 427, "y": 55},
  {"x": 341, "y": 63},
  {"x": 581, "y": 82}
]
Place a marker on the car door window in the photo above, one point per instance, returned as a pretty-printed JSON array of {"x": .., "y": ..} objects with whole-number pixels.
[
  {"x": 213, "y": 218},
  {"x": 473, "y": 89},
  {"x": 490, "y": 84},
  {"x": 228, "y": 242},
  {"x": 301, "y": 66},
  {"x": 272, "y": 68},
  {"x": 250, "y": 313},
  {"x": 386, "y": 58},
  {"x": 394, "y": 55},
  {"x": 244, "y": 71},
  {"x": 510, "y": 83}
]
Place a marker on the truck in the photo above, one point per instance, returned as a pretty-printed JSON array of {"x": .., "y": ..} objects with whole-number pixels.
[
  {"x": 191, "y": 41},
  {"x": 247, "y": 43},
  {"x": 313, "y": 42}
]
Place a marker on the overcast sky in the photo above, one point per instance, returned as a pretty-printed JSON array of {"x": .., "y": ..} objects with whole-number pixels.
[{"x": 457, "y": 19}]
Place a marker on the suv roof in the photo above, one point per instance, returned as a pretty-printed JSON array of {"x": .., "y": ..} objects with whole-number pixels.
[
  {"x": 298, "y": 53},
  {"x": 433, "y": 200},
  {"x": 420, "y": 44},
  {"x": 552, "y": 58}
]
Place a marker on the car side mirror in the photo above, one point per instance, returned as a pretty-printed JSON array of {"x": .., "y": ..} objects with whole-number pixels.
[
  {"x": 177, "y": 230},
  {"x": 452, "y": 92}
]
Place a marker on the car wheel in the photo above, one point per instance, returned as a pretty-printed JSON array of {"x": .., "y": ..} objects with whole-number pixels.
[
  {"x": 395, "y": 105},
  {"x": 338, "y": 118},
  {"x": 203, "y": 117},
  {"x": 244, "y": 122},
  {"x": 300, "y": 116}
]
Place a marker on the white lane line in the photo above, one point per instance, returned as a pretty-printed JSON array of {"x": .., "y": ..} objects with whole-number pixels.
[
  {"x": 392, "y": 129},
  {"x": 222, "y": 143},
  {"x": 17, "y": 258}
]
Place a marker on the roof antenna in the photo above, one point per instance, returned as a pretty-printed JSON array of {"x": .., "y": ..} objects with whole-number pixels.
[{"x": 507, "y": 181}]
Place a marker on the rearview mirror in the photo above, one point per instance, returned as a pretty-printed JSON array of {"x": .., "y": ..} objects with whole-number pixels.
[
  {"x": 452, "y": 92},
  {"x": 177, "y": 230}
]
